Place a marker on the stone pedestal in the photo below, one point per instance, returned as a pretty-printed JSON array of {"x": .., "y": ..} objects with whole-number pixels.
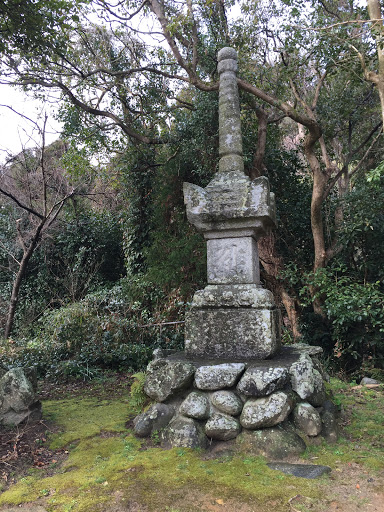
[
  {"x": 265, "y": 407},
  {"x": 233, "y": 316},
  {"x": 232, "y": 321}
]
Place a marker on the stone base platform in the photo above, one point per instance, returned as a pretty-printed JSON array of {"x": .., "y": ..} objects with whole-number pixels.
[
  {"x": 233, "y": 321},
  {"x": 272, "y": 407}
]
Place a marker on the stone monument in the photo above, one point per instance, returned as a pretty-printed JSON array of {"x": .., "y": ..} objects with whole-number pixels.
[
  {"x": 234, "y": 383},
  {"x": 233, "y": 317}
]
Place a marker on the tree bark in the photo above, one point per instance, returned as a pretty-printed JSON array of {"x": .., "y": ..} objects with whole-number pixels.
[
  {"x": 374, "y": 12},
  {"x": 273, "y": 264},
  {"x": 258, "y": 167},
  {"x": 19, "y": 278},
  {"x": 272, "y": 261}
]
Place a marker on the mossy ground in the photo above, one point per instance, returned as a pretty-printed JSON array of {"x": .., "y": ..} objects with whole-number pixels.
[{"x": 107, "y": 468}]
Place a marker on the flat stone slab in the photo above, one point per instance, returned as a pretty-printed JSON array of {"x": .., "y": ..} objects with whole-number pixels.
[
  {"x": 300, "y": 470},
  {"x": 166, "y": 379},
  {"x": 275, "y": 443},
  {"x": 286, "y": 356},
  {"x": 232, "y": 332},
  {"x": 219, "y": 376}
]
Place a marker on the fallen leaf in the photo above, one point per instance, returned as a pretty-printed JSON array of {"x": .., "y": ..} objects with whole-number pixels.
[
  {"x": 357, "y": 486},
  {"x": 220, "y": 502}
]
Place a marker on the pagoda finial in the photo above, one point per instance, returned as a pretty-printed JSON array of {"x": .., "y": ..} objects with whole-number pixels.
[{"x": 230, "y": 140}]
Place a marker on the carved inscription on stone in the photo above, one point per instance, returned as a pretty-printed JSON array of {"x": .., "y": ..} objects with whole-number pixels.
[
  {"x": 229, "y": 258},
  {"x": 232, "y": 260}
]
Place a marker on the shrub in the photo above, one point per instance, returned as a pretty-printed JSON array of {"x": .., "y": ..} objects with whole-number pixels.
[
  {"x": 355, "y": 311},
  {"x": 109, "y": 329}
]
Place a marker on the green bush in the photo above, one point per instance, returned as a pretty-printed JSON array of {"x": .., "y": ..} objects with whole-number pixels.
[
  {"x": 355, "y": 311},
  {"x": 109, "y": 329}
]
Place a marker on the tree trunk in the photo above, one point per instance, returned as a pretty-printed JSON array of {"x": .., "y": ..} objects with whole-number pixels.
[
  {"x": 273, "y": 264},
  {"x": 258, "y": 167},
  {"x": 19, "y": 278},
  {"x": 291, "y": 307},
  {"x": 318, "y": 191},
  {"x": 271, "y": 260},
  {"x": 374, "y": 11}
]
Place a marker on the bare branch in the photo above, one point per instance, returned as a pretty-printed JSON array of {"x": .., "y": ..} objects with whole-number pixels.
[
  {"x": 285, "y": 108},
  {"x": 20, "y": 204},
  {"x": 354, "y": 171},
  {"x": 106, "y": 6}
]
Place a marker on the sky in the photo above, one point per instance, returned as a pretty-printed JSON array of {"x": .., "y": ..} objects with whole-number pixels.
[{"x": 17, "y": 132}]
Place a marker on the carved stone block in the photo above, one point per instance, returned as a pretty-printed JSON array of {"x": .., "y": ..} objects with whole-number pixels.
[
  {"x": 237, "y": 333},
  {"x": 232, "y": 260}
]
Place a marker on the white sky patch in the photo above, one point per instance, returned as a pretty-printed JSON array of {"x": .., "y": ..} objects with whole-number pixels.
[{"x": 17, "y": 132}]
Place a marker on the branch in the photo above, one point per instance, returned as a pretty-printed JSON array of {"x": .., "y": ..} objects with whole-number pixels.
[
  {"x": 374, "y": 129},
  {"x": 42, "y": 165},
  {"x": 348, "y": 22},
  {"x": 158, "y": 10},
  {"x": 299, "y": 99},
  {"x": 289, "y": 111},
  {"x": 7, "y": 251},
  {"x": 340, "y": 173},
  {"x": 195, "y": 38},
  {"x": 371, "y": 76},
  {"x": 318, "y": 87},
  {"x": 365, "y": 155},
  {"x": 20, "y": 204},
  {"x": 90, "y": 110},
  {"x": 59, "y": 205},
  {"x": 21, "y": 115},
  {"x": 122, "y": 18}
]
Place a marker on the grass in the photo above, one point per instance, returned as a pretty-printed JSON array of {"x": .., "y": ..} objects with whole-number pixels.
[{"x": 107, "y": 467}]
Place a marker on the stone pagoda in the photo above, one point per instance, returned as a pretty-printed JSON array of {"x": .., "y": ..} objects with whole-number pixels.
[
  {"x": 233, "y": 317},
  {"x": 234, "y": 384}
]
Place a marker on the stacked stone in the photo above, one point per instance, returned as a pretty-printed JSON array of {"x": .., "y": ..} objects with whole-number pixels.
[
  {"x": 233, "y": 316},
  {"x": 200, "y": 403}
]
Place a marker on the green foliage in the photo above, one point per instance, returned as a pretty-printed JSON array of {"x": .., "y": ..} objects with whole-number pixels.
[
  {"x": 362, "y": 231},
  {"x": 101, "y": 450},
  {"x": 138, "y": 397},
  {"x": 107, "y": 329},
  {"x": 136, "y": 170},
  {"x": 175, "y": 256},
  {"x": 83, "y": 254},
  {"x": 292, "y": 188},
  {"x": 356, "y": 314},
  {"x": 35, "y": 25}
]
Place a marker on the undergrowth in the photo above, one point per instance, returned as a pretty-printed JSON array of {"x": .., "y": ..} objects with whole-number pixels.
[{"x": 111, "y": 329}]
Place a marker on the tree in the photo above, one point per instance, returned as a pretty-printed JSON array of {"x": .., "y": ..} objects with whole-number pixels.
[
  {"x": 35, "y": 26},
  {"x": 131, "y": 85},
  {"x": 34, "y": 183}
]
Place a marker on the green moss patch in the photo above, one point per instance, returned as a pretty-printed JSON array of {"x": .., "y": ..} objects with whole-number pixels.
[
  {"x": 107, "y": 468},
  {"x": 86, "y": 418}
]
